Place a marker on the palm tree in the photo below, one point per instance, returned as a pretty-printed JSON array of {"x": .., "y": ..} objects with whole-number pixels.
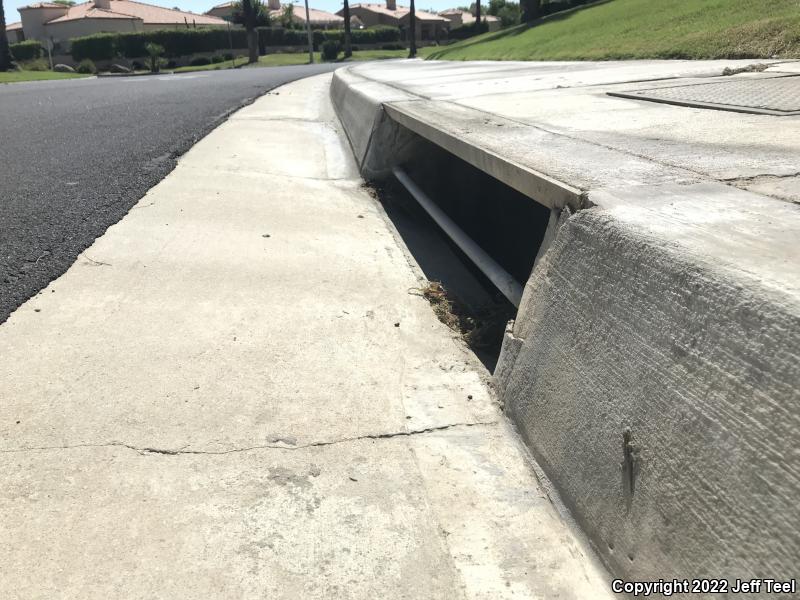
[
  {"x": 478, "y": 13},
  {"x": 348, "y": 52},
  {"x": 5, "y": 53},
  {"x": 412, "y": 21},
  {"x": 250, "y": 14}
]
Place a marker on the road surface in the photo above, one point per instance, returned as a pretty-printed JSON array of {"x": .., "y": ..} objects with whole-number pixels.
[{"x": 77, "y": 154}]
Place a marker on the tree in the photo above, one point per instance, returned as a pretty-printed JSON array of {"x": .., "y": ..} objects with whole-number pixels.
[
  {"x": 251, "y": 12},
  {"x": 262, "y": 13},
  {"x": 412, "y": 22},
  {"x": 5, "y": 53},
  {"x": 348, "y": 51},
  {"x": 508, "y": 12},
  {"x": 478, "y": 13},
  {"x": 531, "y": 9},
  {"x": 154, "y": 54},
  {"x": 287, "y": 17}
]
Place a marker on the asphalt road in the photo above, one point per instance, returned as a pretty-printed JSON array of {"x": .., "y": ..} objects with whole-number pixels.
[{"x": 75, "y": 155}]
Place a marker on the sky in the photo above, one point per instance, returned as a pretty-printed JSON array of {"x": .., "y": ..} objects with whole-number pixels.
[{"x": 200, "y": 6}]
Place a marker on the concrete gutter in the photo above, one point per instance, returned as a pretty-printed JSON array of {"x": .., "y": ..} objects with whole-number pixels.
[{"x": 654, "y": 365}]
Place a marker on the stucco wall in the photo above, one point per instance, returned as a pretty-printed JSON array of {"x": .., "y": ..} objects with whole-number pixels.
[
  {"x": 371, "y": 19},
  {"x": 64, "y": 31},
  {"x": 34, "y": 19},
  {"x": 15, "y": 36}
]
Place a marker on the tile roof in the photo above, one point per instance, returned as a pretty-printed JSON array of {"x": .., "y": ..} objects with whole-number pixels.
[
  {"x": 14, "y": 26},
  {"x": 128, "y": 9},
  {"x": 42, "y": 5},
  {"x": 398, "y": 13},
  {"x": 314, "y": 15},
  {"x": 466, "y": 16}
]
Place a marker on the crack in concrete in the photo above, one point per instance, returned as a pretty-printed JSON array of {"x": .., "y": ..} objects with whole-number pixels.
[
  {"x": 144, "y": 450},
  {"x": 754, "y": 178}
]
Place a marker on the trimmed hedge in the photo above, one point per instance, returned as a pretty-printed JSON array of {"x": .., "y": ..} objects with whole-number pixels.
[
  {"x": 555, "y": 6},
  {"x": 280, "y": 36},
  {"x": 185, "y": 42},
  {"x": 99, "y": 46},
  {"x": 27, "y": 50},
  {"x": 373, "y": 35},
  {"x": 331, "y": 50},
  {"x": 466, "y": 31},
  {"x": 176, "y": 42}
]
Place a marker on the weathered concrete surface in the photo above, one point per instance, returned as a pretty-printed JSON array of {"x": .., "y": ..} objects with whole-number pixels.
[
  {"x": 525, "y": 123},
  {"x": 683, "y": 327},
  {"x": 232, "y": 394},
  {"x": 668, "y": 304}
]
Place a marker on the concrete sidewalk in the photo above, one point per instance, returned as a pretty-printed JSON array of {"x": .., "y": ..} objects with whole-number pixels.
[{"x": 232, "y": 394}]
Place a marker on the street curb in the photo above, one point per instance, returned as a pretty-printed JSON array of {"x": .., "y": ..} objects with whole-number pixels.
[{"x": 657, "y": 344}]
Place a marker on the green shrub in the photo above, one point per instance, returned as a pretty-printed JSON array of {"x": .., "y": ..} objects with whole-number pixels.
[
  {"x": 199, "y": 61},
  {"x": 87, "y": 67},
  {"x": 99, "y": 46},
  {"x": 185, "y": 42},
  {"x": 27, "y": 50},
  {"x": 375, "y": 35},
  {"x": 181, "y": 42},
  {"x": 331, "y": 50},
  {"x": 466, "y": 31},
  {"x": 216, "y": 59},
  {"x": 39, "y": 64},
  {"x": 280, "y": 36},
  {"x": 393, "y": 47},
  {"x": 154, "y": 54},
  {"x": 228, "y": 56},
  {"x": 554, "y": 6},
  {"x": 176, "y": 42}
]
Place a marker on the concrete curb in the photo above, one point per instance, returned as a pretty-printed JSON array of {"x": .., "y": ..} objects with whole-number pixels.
[
  {"x": 654, "y": 366},
  {"x": 378, "y": 143}
]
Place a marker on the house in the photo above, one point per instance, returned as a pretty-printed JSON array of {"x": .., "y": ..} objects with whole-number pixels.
[
  {"x": 49, "y": 21},
  {"x": 14, "y": 33},
  {"x": 429, "y": 26},
  {"x": 459, "y": 18},
  {"x": 319, "y": 19}
]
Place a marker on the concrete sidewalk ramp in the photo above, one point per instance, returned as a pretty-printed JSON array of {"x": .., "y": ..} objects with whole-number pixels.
[{"x": 232, "y": 394}]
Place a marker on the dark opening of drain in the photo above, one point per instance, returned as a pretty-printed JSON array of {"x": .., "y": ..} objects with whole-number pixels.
[{"x": 505, "y": 224}]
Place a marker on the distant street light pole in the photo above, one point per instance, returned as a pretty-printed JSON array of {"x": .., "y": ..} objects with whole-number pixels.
[
  {"x": 310, "y": 37},
  {"x": 50, "y": 46},
  {"x": 230, "y": 42}
]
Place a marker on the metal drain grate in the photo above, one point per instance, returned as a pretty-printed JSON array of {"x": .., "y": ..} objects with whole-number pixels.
[{"x": 766, "y": 96}]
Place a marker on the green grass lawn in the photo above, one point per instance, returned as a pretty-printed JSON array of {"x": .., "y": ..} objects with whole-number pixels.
[
  {"x": 17, "y": 76},
  {"x": 299, "y": 58},
  {"x": 627, "y": 29}
]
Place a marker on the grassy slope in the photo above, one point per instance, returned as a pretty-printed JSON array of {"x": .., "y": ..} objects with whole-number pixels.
[
  {"x": 17, "y": 76},
  {"x": 623, "y": 29}
]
